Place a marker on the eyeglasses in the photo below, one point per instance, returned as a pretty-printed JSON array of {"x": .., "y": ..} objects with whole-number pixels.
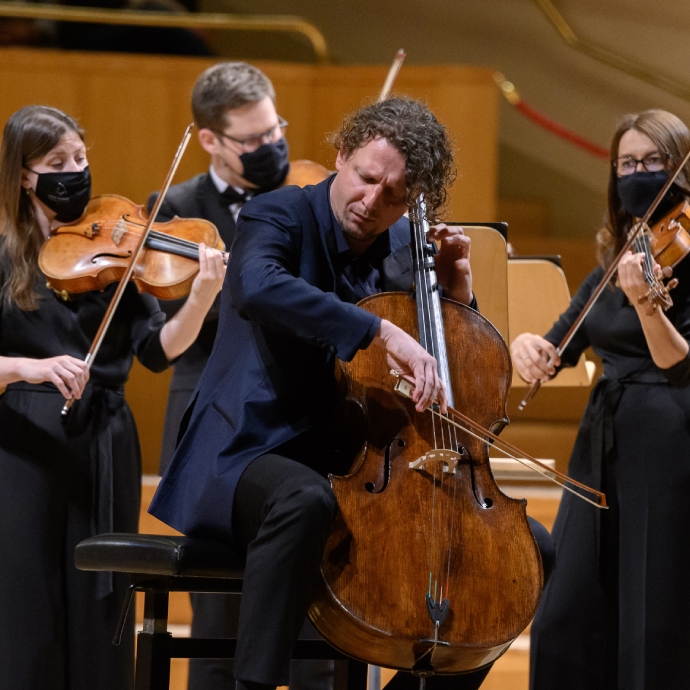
[
  {"x": 253, "y": 141},
  {"x": 652, "y": 162}
]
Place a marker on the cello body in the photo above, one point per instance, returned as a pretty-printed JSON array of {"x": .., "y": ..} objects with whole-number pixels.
[{"x": 404, "y": 533}]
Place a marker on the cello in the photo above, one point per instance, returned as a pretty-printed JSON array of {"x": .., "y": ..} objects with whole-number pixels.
[{"x": 429, "y": 568}]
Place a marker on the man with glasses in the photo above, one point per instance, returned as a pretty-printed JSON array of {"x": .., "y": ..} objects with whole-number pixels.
[
  {"x": 238, "y": 126},
  {"x": 234, "y": 109}
]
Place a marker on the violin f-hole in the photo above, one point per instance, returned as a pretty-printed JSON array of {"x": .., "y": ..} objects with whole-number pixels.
[{"x": 109, "y": 255}]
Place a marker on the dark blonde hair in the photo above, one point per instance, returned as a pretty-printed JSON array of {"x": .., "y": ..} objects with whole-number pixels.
[
  {"x": 226, "y": 86},
  {"x": 671, "y": 137},
  {"x": 410, "y": 127},
  {"x": 31, "y": 133}
]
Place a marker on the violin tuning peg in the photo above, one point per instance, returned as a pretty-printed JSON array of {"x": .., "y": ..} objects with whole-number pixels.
[{"x": 671, "y": 284}]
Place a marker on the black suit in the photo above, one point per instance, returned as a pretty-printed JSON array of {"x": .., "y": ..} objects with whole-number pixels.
[{"x": 195, "y": 198}]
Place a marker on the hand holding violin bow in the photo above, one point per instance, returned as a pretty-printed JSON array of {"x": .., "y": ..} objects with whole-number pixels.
[{"x": 181, "y": 331}]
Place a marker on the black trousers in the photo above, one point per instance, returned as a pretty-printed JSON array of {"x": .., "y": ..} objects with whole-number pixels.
[
  {"x": 217, "y": 615},
  {"x": 282, "y": 515}
]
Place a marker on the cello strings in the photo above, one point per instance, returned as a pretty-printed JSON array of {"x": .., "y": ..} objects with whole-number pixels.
[
  {"x": 469, "y": 431},
  {"x": 430, "y": 308},
  {"x": 427, "y": 342},
  {"x": 452, "y": 528}
]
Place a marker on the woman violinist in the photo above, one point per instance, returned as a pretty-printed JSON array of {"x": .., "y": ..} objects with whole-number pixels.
[
  {"x": 64, "y": 479},
  {"x": 615, "y": 613}
]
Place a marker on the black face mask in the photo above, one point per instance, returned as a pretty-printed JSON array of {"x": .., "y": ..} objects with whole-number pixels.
[
  {"x": 637, "y": 191},
  {"x": 66, "y": 193},
  {"x": 268, "y": 166}
]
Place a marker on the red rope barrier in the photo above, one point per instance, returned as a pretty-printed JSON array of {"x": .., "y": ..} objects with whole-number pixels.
[{"x": 547, "y": 123}]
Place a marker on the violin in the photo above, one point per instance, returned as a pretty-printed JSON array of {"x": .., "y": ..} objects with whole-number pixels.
[
  {"x": 305, "y": 172},
  {"x": 95, "y": 250},
  {"x": 669, "y": 238}
]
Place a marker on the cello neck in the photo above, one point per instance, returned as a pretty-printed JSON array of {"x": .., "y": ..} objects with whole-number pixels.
[{"x": 431, "y": 333}]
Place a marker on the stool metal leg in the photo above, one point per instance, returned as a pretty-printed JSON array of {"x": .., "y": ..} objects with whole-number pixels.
[
  {"x": 154, "y": 644},
  {"x": 374, "y": 677}
]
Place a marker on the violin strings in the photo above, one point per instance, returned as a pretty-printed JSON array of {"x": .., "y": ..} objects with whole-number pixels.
[
  {"x": 641, "y": 244},
  {"x": 170, "y": 239}
]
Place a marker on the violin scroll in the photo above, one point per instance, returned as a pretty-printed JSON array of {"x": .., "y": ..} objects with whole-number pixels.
[{"x": 658, "y": 293}]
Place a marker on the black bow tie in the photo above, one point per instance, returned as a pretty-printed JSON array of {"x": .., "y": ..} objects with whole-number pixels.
[{"x": 231, "y": 196}]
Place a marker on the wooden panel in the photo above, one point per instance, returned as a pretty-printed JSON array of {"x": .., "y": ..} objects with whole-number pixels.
[
  {"x": 490, "y": 275},
  {"x": 538, "y": 295}
]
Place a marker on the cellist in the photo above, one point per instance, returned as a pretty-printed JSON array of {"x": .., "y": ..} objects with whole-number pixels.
[{"x": 251, "y": 464}]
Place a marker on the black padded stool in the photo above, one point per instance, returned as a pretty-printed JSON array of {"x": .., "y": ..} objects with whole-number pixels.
[{"x": 159, "y": 565}]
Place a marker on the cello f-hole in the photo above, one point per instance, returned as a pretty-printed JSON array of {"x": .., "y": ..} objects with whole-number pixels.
[
  {"x": 484, "y": 501},
  {"x": 370, "y": 486}
]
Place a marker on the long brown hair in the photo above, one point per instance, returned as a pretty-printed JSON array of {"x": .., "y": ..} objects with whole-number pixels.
[
  {"x": 29, "y": 134},
  {"x": 671, "y": 137}
]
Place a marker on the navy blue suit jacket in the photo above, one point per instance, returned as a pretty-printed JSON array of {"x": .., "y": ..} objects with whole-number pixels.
[{"x": 270, "y": 376}]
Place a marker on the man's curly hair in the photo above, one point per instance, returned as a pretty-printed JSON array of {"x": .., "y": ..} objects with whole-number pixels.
[{"x": 423, "y": 142}]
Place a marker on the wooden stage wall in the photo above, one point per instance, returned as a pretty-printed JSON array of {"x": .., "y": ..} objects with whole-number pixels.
[{"x": 135, "y": 108}]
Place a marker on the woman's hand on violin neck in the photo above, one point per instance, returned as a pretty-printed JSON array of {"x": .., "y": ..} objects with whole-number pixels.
[
  {"x": 453, "y": 261},
  {"x": 631, "y": 277},
  {"x": 534, "y": 357},
  {"x": 406, "y": 356},
  {"x": 67, "y": 373},
  {"x": 666, "y": 345},
  {"x": 181, "y": 331},
  {"x": 209, "y": 280}
]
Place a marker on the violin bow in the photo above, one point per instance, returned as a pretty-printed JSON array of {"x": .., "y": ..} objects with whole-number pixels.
[
  {"x": 404, "y": 387},
  {"x": 635, "y": 231},
  {"x": 392, "y": 75},
  {"x": 117, "y": 297}
]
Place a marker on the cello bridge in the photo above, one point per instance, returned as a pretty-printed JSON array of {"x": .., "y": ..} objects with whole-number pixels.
[{"x": 448, "y": 459}]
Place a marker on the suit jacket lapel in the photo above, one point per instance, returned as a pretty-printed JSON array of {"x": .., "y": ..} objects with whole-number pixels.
[{"x": 319, "y": 199}]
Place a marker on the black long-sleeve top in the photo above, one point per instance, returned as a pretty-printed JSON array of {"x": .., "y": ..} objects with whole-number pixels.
[
  {"x": 60, "y": 327},
  {"x": 613, "y": 330}
]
